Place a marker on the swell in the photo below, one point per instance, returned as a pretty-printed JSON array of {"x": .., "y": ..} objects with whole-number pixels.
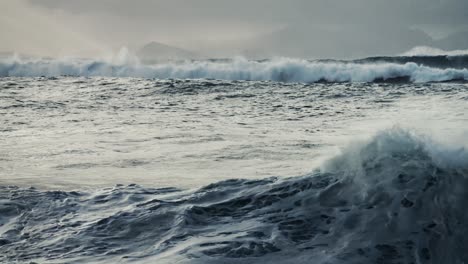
[
  {"x": 396, "y": 199},
  {"x": 280, "y": 70}
]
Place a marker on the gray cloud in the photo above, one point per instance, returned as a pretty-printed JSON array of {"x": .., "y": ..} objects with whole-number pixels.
[
  {"x": 318, "y": 11},
  {"x": 220, "y": 25}
]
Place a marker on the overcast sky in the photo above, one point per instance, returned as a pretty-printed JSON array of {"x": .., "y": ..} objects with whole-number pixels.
[{"x": 67, "y": 27}]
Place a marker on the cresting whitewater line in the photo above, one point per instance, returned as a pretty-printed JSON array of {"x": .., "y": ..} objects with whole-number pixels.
[{"x": 280, "y": 69}]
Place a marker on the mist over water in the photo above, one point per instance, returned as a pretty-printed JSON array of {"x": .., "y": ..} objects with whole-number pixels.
[
  {"x": 241, "y": 131},
  {"x": 430, "y": 51},
  {"x": 333, "y": 29}
]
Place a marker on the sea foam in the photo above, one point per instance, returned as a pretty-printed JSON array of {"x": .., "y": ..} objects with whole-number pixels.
[
  {"x": 391, "y": 198},
  {"x": 278, "y": 69}
]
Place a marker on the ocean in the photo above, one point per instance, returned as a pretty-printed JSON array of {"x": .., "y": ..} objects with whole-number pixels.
[{"x": 234, "y": 161}]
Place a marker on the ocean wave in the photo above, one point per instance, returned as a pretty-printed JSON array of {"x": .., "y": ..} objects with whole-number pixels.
[
  {"x": 279, "y": 69},
  {"x": 399, "y": 198}
]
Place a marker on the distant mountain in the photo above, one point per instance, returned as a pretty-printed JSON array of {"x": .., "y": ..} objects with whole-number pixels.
[
  {"x": 456, "y": 41},
  {"x": 346, "y": 42},
  {"x": 155, "y": 51}
]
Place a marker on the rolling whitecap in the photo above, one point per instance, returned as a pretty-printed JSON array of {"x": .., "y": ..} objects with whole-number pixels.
[
  {"x": 279, "y": 69},
  {"x": 396, "y": 199}
]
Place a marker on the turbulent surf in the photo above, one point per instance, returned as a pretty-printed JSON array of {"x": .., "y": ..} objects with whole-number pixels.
[
  {"x": 379, "y": 69},
  {"x": 234, "y": 161},
  {"x": 395, "y": 199}
]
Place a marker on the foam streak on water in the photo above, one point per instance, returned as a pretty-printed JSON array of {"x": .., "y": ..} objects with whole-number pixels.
[
  {"x": 389, "y": 200},
  {"x": 203, "y": 171}
]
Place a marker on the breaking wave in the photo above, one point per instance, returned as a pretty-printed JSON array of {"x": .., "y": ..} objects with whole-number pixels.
[
  {"x": 280, "y": 69},
  {"x": 398, "y": 198}
]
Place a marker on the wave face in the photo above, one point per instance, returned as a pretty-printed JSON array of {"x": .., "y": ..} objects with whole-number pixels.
[
  {"x": 280, "y": 70},
  {"x": 396, "y": 199}
]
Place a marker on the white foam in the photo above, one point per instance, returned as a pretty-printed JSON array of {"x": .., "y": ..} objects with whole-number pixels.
[
  {"x": 373, "y": 164},
  {"x": 279, "y": 69}
]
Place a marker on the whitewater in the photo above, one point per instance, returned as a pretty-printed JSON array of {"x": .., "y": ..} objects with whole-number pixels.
[
  {"x": 234, "y": 161},
  {"x": 278, "y": 69}
]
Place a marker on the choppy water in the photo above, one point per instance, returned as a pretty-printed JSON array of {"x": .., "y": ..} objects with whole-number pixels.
[{"x": 200, "y": 171}]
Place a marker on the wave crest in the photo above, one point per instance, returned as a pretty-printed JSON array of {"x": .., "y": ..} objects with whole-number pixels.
[
  {"x": 393, "y": 198},
  {"x": 280, "y": 69}
]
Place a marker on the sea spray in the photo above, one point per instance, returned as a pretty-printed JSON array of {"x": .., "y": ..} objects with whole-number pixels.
[
  {"x": 278, "y": 69},
  {"x": 401, "y": 204}
]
